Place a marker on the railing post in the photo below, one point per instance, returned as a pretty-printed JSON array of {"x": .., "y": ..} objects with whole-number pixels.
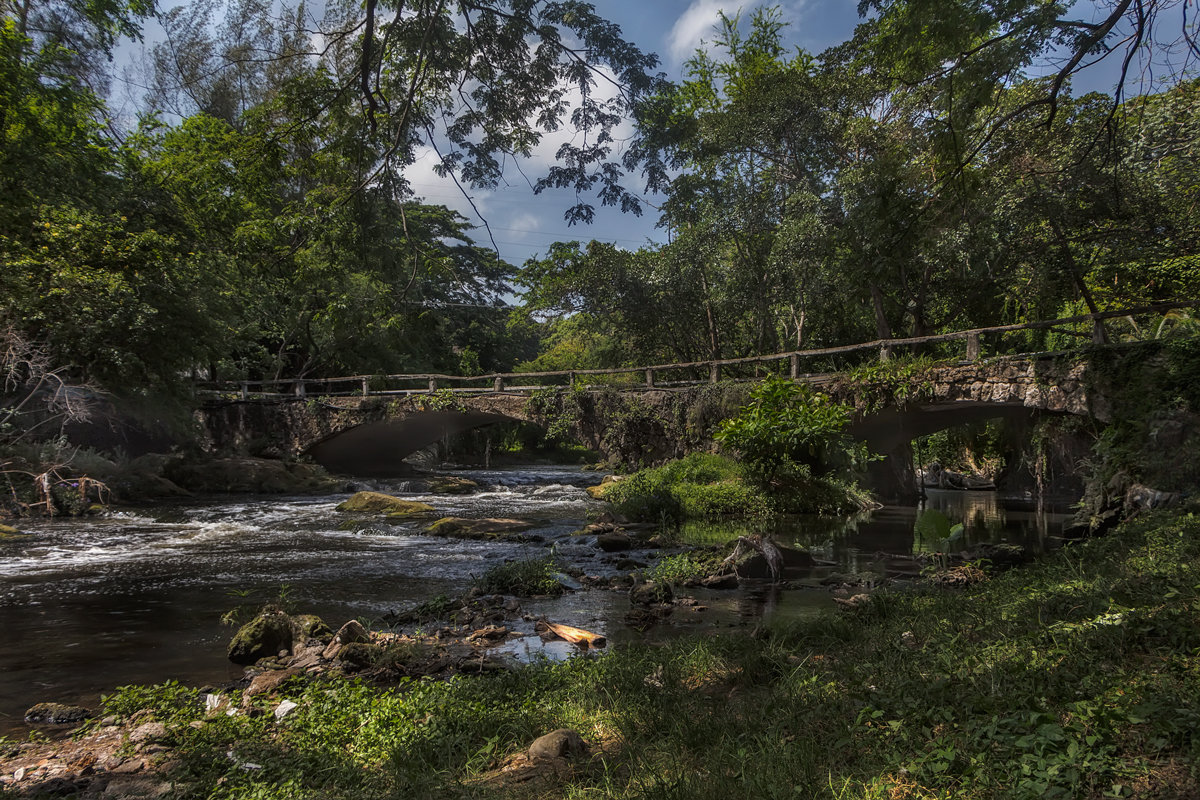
[
  {"x": 299, "y": 388},
  {"x": 1099, "y": 335},
  {"x": 714, "y": 373},
  {"x": 571, "y": 378},
  {"x": 885, "y": 353},
  {"x": 245, "y": 391},
  {"x": 433, "y": 384},
  {"x": 498, "y": 384},
  {"x": 972, "y": 347},
  {"x": 794, "y": 365},
  {"x": 366, "y": 386},
  {"x": 649, "y": 379}
]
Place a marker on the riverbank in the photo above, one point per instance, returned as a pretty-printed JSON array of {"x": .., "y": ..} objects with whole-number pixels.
[{"x": 1077, "y": 675}]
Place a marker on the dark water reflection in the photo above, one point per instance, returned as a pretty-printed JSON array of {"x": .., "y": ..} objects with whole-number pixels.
[
  {"x": 87, "y": 605},
  {"x": 858, "y": 543}
]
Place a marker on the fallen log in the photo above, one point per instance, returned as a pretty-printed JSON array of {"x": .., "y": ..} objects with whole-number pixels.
[{"x": 576, "y": 636}]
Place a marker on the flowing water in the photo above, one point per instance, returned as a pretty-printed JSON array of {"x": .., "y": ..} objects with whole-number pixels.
[{"x": 137, "y": 596}]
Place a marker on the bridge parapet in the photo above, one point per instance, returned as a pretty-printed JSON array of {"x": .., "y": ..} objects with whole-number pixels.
[{"x": 667, "y": 376}]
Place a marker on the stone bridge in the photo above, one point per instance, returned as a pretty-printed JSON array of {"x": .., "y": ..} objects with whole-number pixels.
[{"x": 370, "y": 435}]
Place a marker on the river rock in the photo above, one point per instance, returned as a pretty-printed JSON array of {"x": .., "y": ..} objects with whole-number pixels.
[
  {"x": 460, "y": 528},
  {"x": 310, "y": 626},
  {"x": 614, "y": 542},
  {"x": 726, "y": 581},
  {"x": 649, "y": 593},
  {"x": 268, "y": 682},
  {"x": 56, "y": 714},
  {"x": 376, "y": 502},
  {"x": 446, "y": 484},
  {"x": 562, "y": 743},
  {"x": 756, "y": 567},
  {"x": 265, "y": 635},
  {"x": 148, "y": 733},
  {"x": 359, "y": 655},
  {"x": 597, "y": 492},
  {"x": 12, "y": 535},
  {"x": 350, "y": 633}
]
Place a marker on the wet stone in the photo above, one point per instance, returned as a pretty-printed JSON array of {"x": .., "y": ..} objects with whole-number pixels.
[{"x": 56, "y": 714}]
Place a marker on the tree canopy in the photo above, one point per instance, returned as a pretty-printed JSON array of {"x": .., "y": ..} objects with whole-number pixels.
[{"x": 259, "y": 218}]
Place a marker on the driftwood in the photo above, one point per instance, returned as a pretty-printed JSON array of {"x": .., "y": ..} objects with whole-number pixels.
[{"x": 576, "y": 636}]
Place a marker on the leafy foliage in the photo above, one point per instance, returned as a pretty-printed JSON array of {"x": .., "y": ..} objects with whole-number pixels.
[
  {"x": 788, "y": 424},
  {"x": 699, "y": 485}
]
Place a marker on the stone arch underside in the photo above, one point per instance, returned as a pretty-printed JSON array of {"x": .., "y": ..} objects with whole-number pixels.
[
  {"x": 890, "y": 433},
  {"x": 377, "y": 449}
]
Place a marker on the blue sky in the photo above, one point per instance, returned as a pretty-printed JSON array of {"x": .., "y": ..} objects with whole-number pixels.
[{"x": 524, "y": 224}]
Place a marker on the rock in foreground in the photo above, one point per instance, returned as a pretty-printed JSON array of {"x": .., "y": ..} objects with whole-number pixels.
[{"x": 265, "y": 635}]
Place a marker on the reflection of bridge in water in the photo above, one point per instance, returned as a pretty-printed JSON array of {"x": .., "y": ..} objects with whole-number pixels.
[{"x": 366, "y": 424}]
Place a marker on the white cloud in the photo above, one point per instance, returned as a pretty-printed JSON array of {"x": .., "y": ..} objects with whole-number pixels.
[{"x": 696, "y": 25}]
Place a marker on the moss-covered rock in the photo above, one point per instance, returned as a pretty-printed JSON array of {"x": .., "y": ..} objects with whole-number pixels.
[
  {"x": 263, "y": 636},
  {"x": 359, "y": 655},
  {"x": 377, "y": 502},
  {"x": 446, "y": 484},
  {"x": 460, "y": 528},
  {"x": 310, "y": 626},
  {"x": 597, "y": 492},
  {"x": 56, "y": 714},
  {"x": 11, "y": 534}
]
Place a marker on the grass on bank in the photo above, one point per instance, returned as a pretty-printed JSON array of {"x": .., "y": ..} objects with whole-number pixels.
[
  {"x": 704, "y": 485},
  {"x": 1077, "y": 676}
]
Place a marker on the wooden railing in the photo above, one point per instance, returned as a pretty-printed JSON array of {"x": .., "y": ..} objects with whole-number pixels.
[{"x": 650, "y": 377}]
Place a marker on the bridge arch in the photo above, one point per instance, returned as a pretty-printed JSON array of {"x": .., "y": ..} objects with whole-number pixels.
[
  {"x": 376, "y": 449},
  {"x": 892, "y": 431}
]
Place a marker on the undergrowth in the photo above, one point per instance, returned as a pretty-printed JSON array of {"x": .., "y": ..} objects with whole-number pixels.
[
  {"x": 523, "y": 578},
  {"x": 1074, "y": 677},
  {"x": 702, "y": 486}
]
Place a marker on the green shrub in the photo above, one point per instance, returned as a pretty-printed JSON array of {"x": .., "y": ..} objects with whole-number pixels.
[
  {"x": 170, "y": 701},
  {"x": 680, "y": 568},
  {"x": 788, "y": 423},
  {"x": 724, "y": 497},
  {"x": 700, "y": 485}
]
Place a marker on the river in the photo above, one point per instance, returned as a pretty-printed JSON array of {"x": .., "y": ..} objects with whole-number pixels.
[{"x": 137, "y": 596}]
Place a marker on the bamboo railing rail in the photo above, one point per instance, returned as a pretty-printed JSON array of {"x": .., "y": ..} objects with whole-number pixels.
[{"x": 376, "y": 385}]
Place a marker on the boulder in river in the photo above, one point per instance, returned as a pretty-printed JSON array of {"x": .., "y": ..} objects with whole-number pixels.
[
  {"x": 614, "y": 542},
  {"x": 377, "y": 502},
  {"x": 448, "y": 484},
  {"x": 56, "y": 714},
  {"x": 263, "y": 636},
  {"x": 10, "y": 534},
  {"x": 460, "y": 528},
  {"x": 756, "y": 567}
]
